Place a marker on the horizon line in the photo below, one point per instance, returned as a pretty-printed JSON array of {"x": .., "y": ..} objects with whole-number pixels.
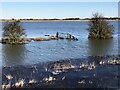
[{"x": 62, "y": 18}]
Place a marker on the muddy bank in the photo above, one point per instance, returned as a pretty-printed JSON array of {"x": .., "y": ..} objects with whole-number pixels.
[{"x": 90, "y": 72}]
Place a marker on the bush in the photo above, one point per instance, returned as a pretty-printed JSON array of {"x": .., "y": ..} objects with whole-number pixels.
[
  {"x": 99, "y": 28},
  {"x": 13, "y": 32}
]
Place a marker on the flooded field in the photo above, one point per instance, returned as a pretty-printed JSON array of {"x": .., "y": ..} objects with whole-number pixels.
[
  {"x": 61, "y": 63},
  {"x": 54, "y": 50},
  {"x": 92, "y": 72}
]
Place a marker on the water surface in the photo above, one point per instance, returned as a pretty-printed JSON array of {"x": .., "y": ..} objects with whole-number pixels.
[{"x": 44, "y": 51}]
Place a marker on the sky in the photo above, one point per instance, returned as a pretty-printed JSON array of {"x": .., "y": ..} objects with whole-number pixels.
[
  {"x": 43, "y": 10},
  {"x": 59, "y": 0}
]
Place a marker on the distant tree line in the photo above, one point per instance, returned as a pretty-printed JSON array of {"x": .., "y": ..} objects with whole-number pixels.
[
  {"x": 104, "y": 18},
  {"x": 71, "y": 19}
]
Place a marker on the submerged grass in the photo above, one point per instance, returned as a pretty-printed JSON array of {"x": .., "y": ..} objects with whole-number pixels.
[{"x": 65, "y": 74}]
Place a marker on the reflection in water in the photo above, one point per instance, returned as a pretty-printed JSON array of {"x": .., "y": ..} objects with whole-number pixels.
[
  {"x": 13, "y": 53},
  {"x": 100, "y": 47},
  {"x": 45, "y": 51},
  {"x": 118, "y": 45}
]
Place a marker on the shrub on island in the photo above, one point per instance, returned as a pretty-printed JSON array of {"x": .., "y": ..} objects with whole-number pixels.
[
  {"x": 99, "y": 28},
  {"x": 13, "y": 33}
]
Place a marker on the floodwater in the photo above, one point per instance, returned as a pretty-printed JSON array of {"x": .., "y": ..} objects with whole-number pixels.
[
  {"x": 81, "y": 64},
  {"x": 54, "y": 50}
]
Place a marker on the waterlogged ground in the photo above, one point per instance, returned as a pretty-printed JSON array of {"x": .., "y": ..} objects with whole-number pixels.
[
  {"x": 44, "y": 51},
  {"x": 89, "y": 72},
  {"x": 61, "y": 63}
]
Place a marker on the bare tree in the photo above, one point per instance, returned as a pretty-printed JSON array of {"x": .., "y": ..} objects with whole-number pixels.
[
  {"x": 99, "y": 28},
  {"x": 13, "y": 32}
]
